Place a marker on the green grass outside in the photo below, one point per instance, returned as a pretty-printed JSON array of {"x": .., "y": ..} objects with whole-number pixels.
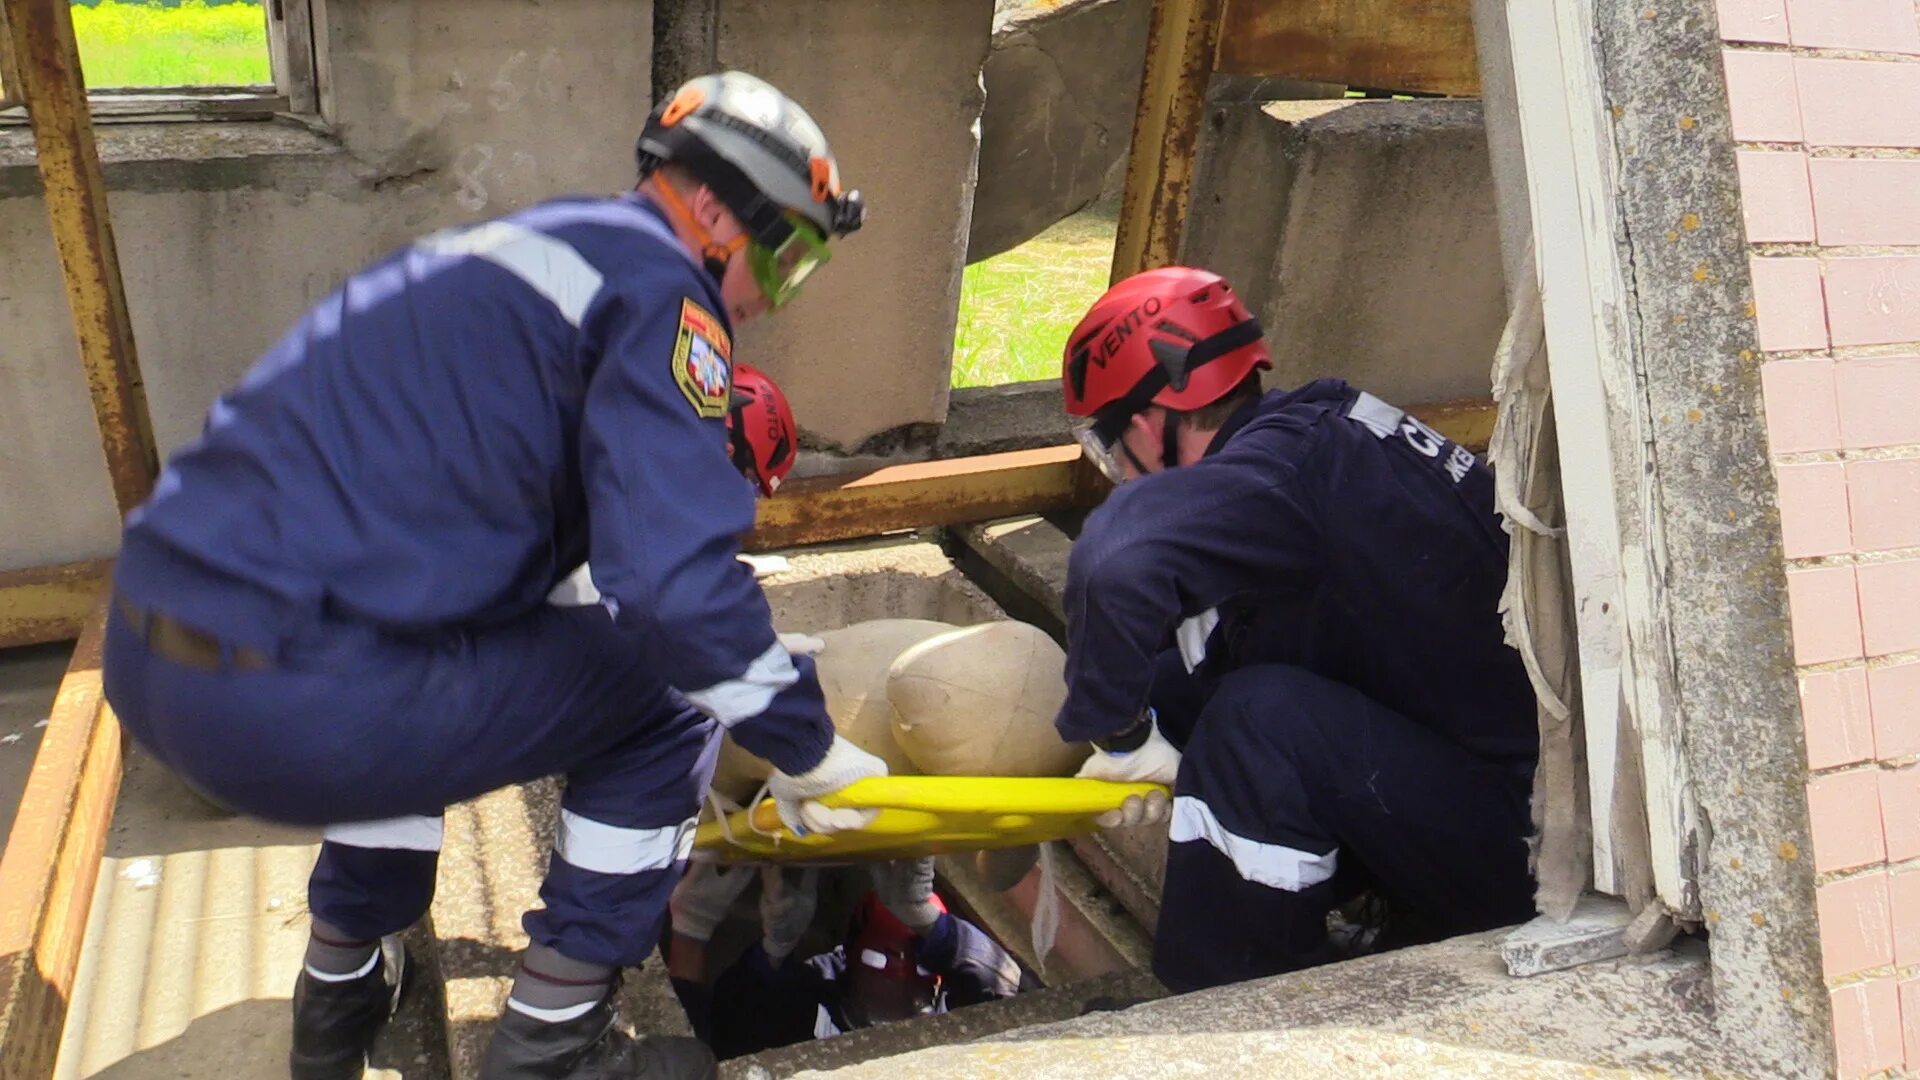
[
  {"x": 193, "y": 43},
  {"x": 1017, "y": 308}
]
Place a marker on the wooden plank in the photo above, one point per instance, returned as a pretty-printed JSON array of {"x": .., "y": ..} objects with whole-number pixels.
[
  {"x": 1406, "y": 45},
  {"x": 294, "y": 64},
  {"x": 51, "y": 863},
  {"x": 950, "y": 492},
  {"x": 1166, "y": 131},
  {"x": 49, "y": 603},
  {"x": 1614, "y": 523}
]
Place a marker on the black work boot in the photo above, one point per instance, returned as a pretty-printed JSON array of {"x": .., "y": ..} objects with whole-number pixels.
[
  {"x": 334, "y": 1023},
  {"x": 589, "y": 1047}
]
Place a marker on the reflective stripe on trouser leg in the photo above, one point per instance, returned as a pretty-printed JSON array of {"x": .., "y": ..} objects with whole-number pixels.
[
  {"x": 1276, "y": 866},
  {"x": 375, "y": 878},
  {"x": 625, "y": 831}
]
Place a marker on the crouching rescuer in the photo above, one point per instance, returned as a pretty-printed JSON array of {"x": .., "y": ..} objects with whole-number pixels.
[
  {"x": 1288, "y": 610},
  {"x": 333, "y": 609}
]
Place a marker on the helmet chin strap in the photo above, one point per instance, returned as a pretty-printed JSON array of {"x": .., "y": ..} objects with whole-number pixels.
[
  {"x": 714, "y": 256},
  {"x": 1170, "y": 441}
]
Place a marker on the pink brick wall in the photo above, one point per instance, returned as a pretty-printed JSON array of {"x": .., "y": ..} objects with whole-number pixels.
[{"x": 1825, "y": 100}]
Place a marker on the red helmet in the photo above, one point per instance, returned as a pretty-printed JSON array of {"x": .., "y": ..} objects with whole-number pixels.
[
  {"x": 883, "y": 961},
  {"x": 761, "y": 435},
  {"x": 1175, "y": 336}
]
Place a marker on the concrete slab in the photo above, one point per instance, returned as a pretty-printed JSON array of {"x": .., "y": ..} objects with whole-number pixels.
[
  {"x": 1597, "y": 930},
  {"x": 1447, "y": 1009},
  {"x": 964, "y": 1025},
  {"x": 193, "y": 943},
  {"x": 1363, "y": 234},
  {"x": 29, "y": 679}
]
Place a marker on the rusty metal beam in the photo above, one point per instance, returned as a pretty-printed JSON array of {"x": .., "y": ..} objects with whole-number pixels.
[
  {"x": 1419, "y": 45},
  {"x": 959, "y": 491},
  {"x": 950, "y": 492},
  {"x": 48, "y": 59},
  {"x": 49, "y": 603},
  {"x": 1166, "y": 132},
  {"x": 51, "y": 862}
]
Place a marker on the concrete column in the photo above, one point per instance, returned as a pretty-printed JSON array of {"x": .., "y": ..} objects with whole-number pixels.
[{"x": 868, "y": 346}]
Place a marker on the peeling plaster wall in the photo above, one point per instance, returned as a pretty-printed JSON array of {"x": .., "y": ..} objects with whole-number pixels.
[{"x": 445, "y": 110}]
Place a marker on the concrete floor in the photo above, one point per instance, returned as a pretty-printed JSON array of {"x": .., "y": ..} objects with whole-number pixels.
[
  {"x": 29, "y": 678},
  {"x": 193, "y": 942}
]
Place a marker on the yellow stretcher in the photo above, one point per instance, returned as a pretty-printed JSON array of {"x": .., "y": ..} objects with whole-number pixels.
[{"x": 923, "y": 815}]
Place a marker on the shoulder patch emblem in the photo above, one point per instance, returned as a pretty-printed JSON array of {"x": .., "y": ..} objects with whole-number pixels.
[{"x": 702, "y": 355}]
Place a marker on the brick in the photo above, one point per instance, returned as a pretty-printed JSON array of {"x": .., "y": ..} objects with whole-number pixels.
[
  {"x": 1903, "y": 902},
  {"x": 1889, "y": 606},
  {"x": 1763, "y": 21},
  {"x": 1873, "y": 300},
  {"x": 1856, "y": 925},
  {"x": 1802, "y": 412},
  {"x": 1862, "y": 200},
  {"x": 1900, "y": 812},
  {"x": 1813, "y": 509},
  {"x": 1762, "y": 97},
  {"x": 1866, "y": 25},
  {"x": 1839, "y": 719},
  {"x": 1879, "y": 401},
  {"x": 1893, "y": 693},
  {"x": 1910, "y": 1018},
  {"x": 1867, "y": 1036},
  {"x": 1858, "y": 102},
  {"x": 1885, "y": 501},
  {"x": 1826, "y": 614},
  {"x": 1843, "y": 812},
  {"x": 1776, "y": 198},
  {"x": 1789, "y": 304}
]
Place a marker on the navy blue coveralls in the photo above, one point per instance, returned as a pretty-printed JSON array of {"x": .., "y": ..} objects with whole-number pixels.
[
  {"x": 1328, "y": 578},
  {"x": 376, "y": 516}
]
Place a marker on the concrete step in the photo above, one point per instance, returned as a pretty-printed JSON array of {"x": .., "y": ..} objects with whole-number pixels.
[{"x": 1444, "y": 1010}]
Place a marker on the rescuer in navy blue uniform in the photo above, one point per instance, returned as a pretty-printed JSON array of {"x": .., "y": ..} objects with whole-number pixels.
[
  {"x": 333, "y": 609},
  {"x": 1288, "y": 611}
]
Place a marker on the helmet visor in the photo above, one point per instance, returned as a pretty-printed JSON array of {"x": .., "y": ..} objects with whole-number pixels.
[
  {"x": 1100, "y": 449},
  {"x": 780, "y": 271}
]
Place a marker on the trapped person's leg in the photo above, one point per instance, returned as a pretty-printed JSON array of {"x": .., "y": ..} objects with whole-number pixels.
[{"x": 1287, "y": 775}]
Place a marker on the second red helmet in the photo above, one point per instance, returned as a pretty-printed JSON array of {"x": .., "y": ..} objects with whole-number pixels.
[
  {"x": 761, "y": 435},
  {"x": 1176, "y": 336}
]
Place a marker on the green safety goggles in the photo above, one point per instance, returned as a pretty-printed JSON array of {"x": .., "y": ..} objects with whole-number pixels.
[{"x": 781, "y": 270}]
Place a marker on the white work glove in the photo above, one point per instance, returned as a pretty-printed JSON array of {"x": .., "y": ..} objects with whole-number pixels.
[
  {"x": 802, "y": 644},
  {"x": 795, "y": 795},
  {"x": 704, "y": 896},
  {"x": 906, "y": 888},
  {"x": 787, "y": 902},
  {"x": 1152, "y": 762}
]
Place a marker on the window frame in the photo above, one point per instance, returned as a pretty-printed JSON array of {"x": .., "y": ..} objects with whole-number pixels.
[{"x": 292, "y": 51}]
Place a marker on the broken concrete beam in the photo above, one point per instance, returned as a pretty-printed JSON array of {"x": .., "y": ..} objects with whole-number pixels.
[
  {"x": 1061, "y": 81},
  {"x": 1597, "y": 930},
  {"x": 1031, "y": 554},
  {"x": 1363, "y": 234}
]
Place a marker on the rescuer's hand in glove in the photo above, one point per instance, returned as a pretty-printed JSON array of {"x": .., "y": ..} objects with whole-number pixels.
[
  {"x": 704, "y": 896},
  {"x": 802, "y": 644},
  {"x": 1138, "y": 755},
  {"x": 795, "y": 795},
  {"x": 906, "y": 888},
  {"x": 788, "y": 898}
]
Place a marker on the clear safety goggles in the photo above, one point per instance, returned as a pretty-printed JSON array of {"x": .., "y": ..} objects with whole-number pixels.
[
  {"x": 780, "y": 271},
  {"x": 1103, "y": 450}
]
